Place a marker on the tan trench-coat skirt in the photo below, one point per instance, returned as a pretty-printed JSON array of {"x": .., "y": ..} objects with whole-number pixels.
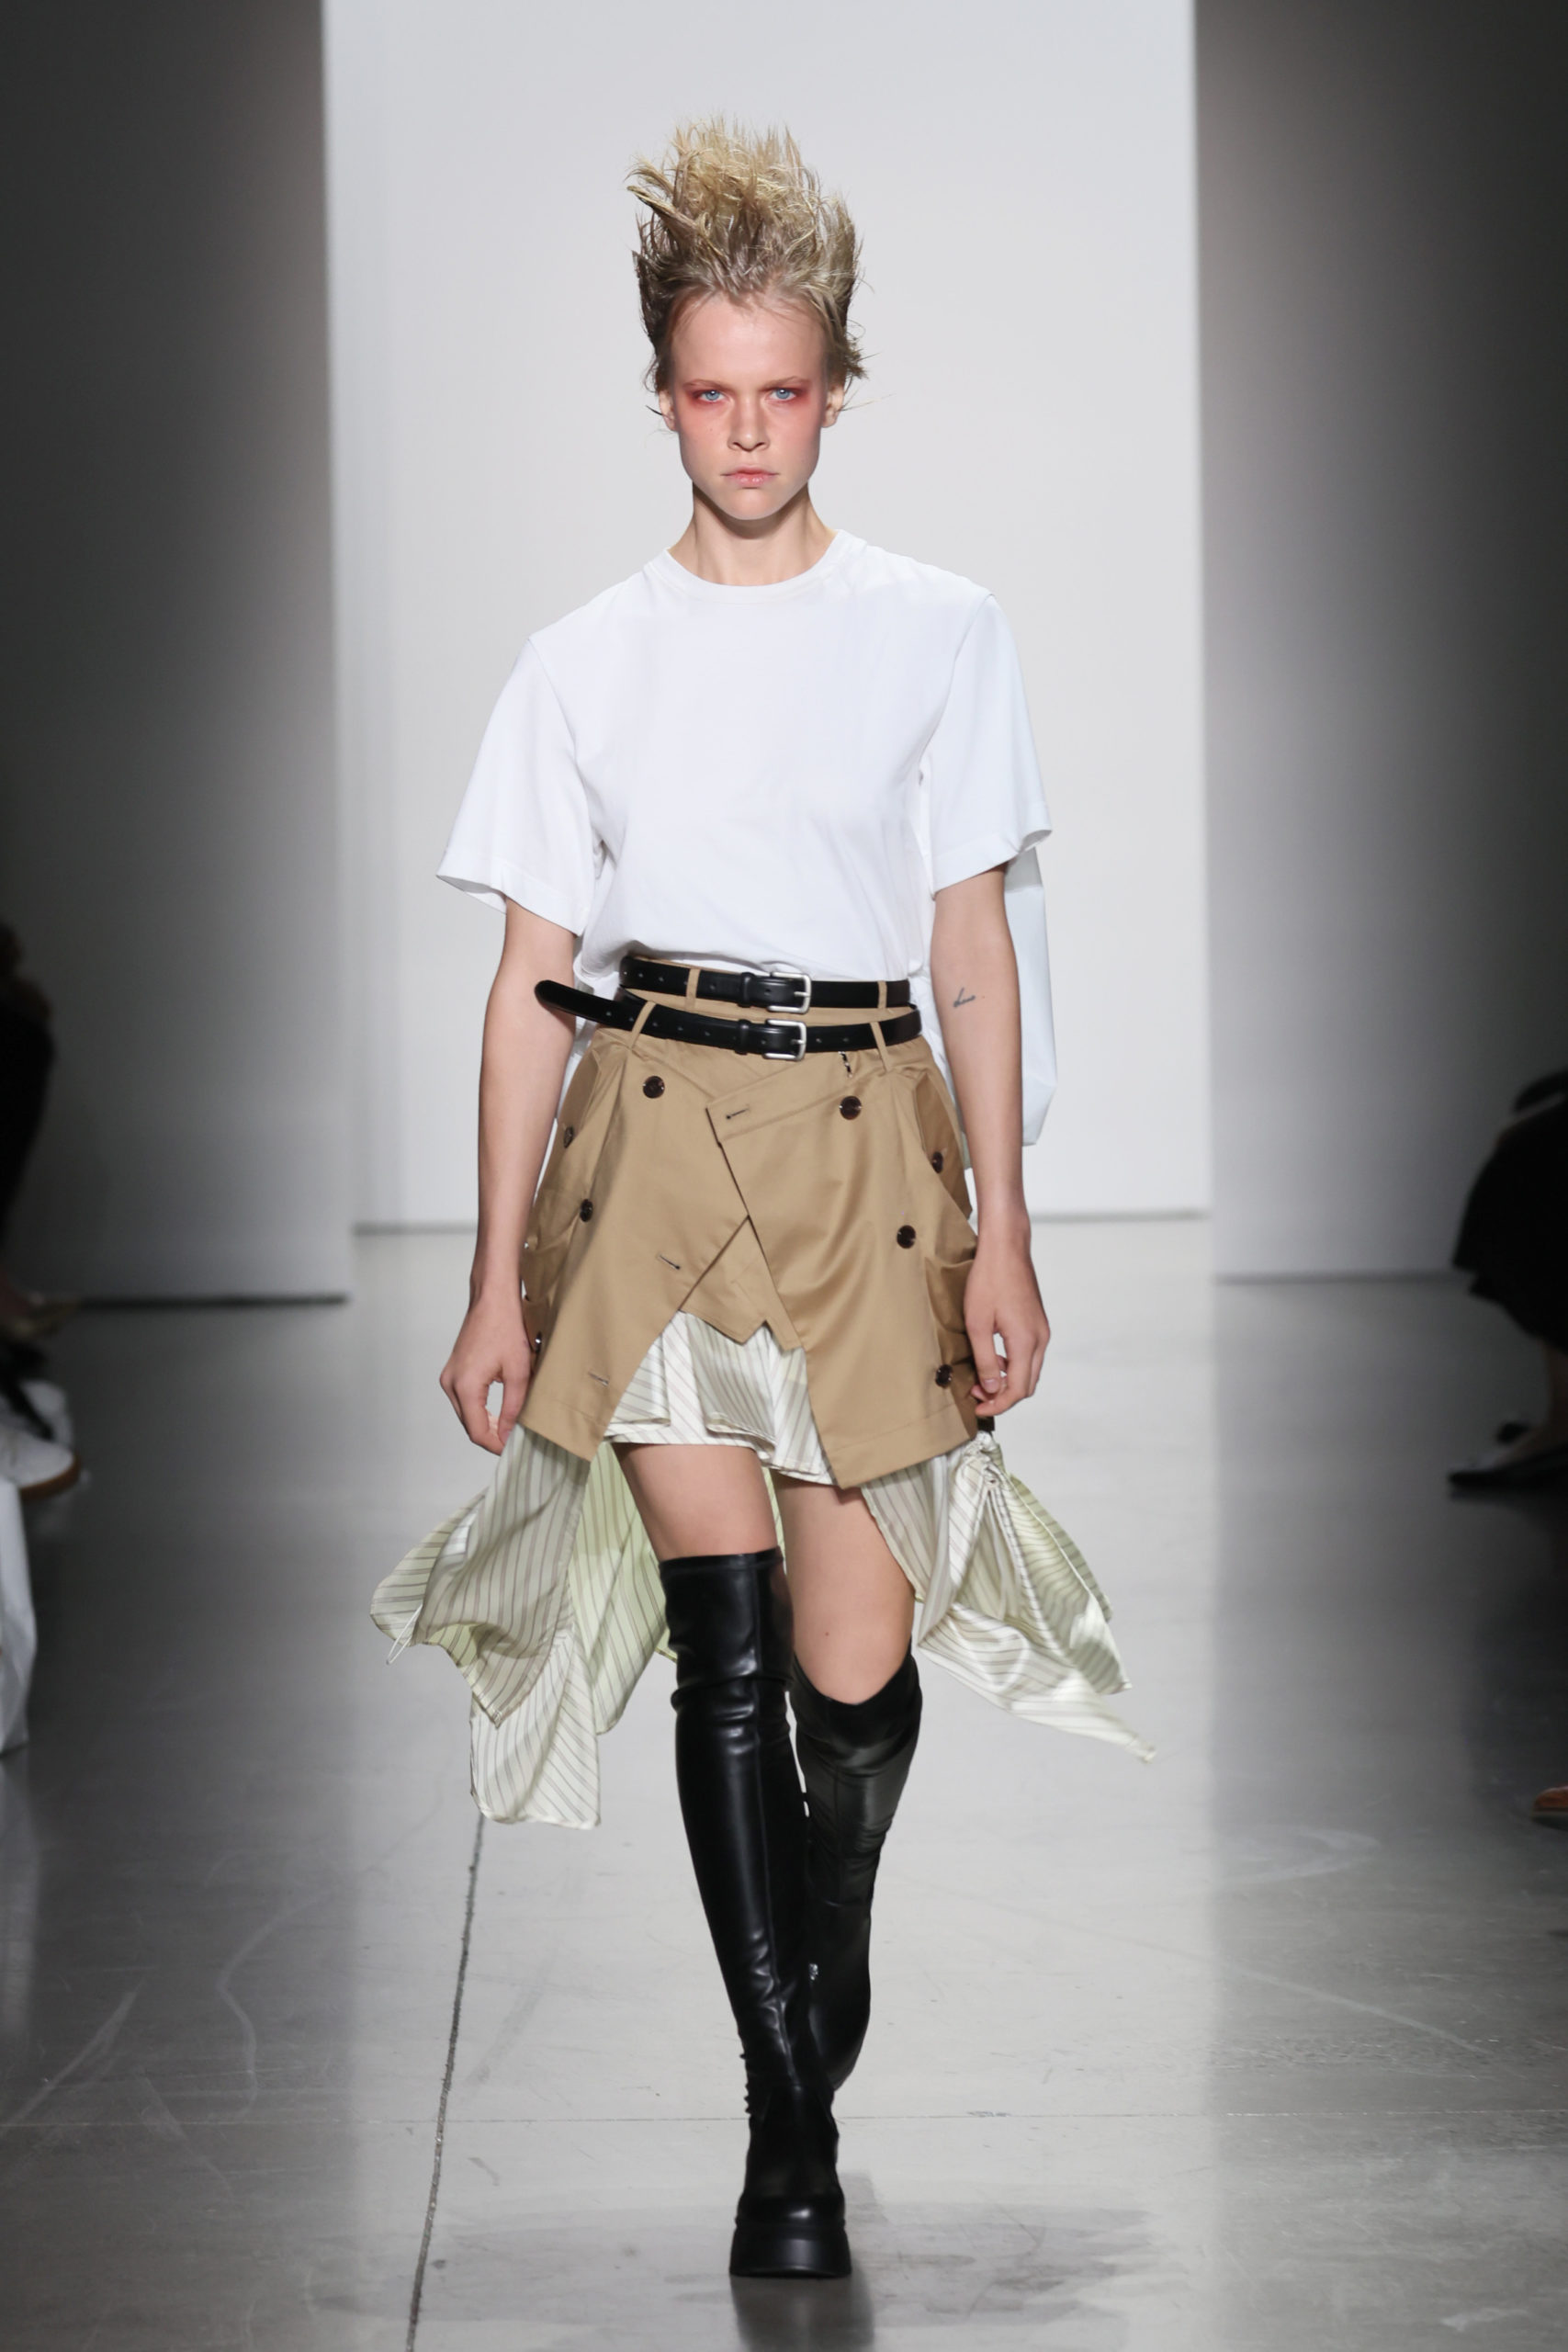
[{"x": 824, "y": 1197}]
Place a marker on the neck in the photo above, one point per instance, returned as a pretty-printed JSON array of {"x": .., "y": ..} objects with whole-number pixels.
[{"x": 752, "y": 555}]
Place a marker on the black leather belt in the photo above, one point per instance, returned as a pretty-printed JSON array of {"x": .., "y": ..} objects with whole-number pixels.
[
  {"x": 776, "y": 1040},
  {"x": 775, "y": 991}
]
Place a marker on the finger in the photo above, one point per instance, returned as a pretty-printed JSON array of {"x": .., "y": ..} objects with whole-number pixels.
[
  {"x": 990, "y": 1373},
  {"x": 1019, "y": 1368},
  {"x": 476, "y": 1416},
  {"x": 1027, "y": 1357},
  {"x": 515, "y": 1390},
  {"x": 1030, "y": 1363}
]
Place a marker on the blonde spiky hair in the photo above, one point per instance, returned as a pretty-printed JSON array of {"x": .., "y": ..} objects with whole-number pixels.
[{"x": 738, "y": 213}]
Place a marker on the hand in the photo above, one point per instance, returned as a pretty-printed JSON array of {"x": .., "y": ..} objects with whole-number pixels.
[
  {"x": 492, "y": 1346},
  {"x": 1002, "y": 1298}
]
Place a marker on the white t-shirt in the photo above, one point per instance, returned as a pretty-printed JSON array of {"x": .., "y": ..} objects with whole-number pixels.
[{"x": 772, "y": 779}]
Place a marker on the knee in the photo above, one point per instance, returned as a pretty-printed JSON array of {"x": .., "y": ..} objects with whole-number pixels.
[{"x": 851, "y": 1672}]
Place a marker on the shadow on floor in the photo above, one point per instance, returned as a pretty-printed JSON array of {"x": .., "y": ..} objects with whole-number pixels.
[{"x": 1002, "y": 2277}]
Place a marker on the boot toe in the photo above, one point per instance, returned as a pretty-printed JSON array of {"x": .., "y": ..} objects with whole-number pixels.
[
  {"x": 813, "y": 2248},
  {"x": 790, "y": 2221}
]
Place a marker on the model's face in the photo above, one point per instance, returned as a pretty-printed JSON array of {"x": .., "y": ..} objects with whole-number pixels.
[{"x": 748, "y": 397}]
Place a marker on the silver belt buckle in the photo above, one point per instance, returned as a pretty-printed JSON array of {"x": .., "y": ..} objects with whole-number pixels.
[{"x": 784, "y": 1054}]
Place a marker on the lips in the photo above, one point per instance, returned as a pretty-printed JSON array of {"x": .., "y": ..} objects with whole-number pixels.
[{"x": 748, "y": 477}]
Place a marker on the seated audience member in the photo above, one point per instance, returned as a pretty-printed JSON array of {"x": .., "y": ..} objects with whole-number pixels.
[
  {"x": 1514, "y": 1243},
  {"x": 35, "y": 1450}
]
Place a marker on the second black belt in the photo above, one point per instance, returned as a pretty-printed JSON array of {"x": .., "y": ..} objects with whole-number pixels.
[
  {"x": 779, "y": 1039},
  {"x": 772, "y": 991}
]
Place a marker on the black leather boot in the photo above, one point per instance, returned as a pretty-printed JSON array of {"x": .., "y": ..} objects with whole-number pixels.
[
  {"x": 855, "y": 1759},
  {"x": 731, "y": 1631}
]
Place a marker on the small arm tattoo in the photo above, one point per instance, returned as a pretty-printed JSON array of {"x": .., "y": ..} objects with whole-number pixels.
[{"x": 963, "y": 997}]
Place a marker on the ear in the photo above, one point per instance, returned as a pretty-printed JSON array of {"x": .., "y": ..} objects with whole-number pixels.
[
  {"x": 666, "y": 405},
  {"x": 834, "y": 404}
]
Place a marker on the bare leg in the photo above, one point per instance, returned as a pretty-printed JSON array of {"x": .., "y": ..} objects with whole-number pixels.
[
  {"x": 853, "y": 1604},
  {"x": 699, "y": 1499}
]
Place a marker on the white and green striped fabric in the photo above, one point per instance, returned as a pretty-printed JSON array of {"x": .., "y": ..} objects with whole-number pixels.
[{"x": 545, "y": 1590}]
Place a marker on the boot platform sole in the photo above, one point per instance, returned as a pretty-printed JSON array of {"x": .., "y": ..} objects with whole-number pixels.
[{"x": 771, "y": 2250}]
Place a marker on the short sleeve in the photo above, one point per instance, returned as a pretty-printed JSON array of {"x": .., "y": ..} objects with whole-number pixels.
[
  {"x": 523, "y": 830},
  {"x": 986, "y": 802}
]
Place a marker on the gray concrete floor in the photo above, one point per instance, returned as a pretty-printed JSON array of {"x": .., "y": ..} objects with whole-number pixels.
[{"x": 1262, "y": 2046}]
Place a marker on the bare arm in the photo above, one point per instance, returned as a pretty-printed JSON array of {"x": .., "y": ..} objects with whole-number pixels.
[
  {"x": 525, "y": 1050},
  {"x": 975, "y": 978}
]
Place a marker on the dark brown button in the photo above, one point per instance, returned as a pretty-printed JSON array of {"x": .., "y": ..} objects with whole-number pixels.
[
  {"x": 586, "y": 1210},
  {"x": 567, "y": 1137},
  {"x": 653, "y": 1086},
  {"x": 905, "y": 1236},
  {"x": 944, "y": 1375},
  {"x": 936, "y": 1161},
  {"x": 849, "y": 1107}
]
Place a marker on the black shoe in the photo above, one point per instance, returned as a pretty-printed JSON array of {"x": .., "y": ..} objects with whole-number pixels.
[
  {"x": 731, "y": 1630},
  {"x": 855, "y": 1759},
  {"x": 790, "y": 2221},
  {"x": 1489, "y": 1475}
]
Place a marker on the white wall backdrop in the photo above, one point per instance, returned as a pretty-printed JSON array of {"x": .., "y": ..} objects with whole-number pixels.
[{"x": 1023, "y": 172}]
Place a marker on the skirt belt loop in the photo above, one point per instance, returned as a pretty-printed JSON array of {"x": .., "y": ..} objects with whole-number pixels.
[{"x": 876, "y": 1026}]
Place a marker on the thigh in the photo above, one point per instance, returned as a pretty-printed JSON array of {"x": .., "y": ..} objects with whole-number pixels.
[
  {"x": 854, "y": 1608},
  {"x": 699, "y": 1499}
]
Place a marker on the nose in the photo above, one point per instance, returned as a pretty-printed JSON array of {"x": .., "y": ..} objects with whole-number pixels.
[{"x": 749, "y": 430}]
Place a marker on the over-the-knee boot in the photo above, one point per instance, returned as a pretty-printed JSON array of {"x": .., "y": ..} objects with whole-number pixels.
[
  {"x": 731, "y": 1631},
  {"x": 855, "y": 1759}
]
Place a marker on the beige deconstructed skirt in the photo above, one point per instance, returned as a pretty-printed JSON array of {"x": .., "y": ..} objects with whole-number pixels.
[{"x": 745, "y": 1242}]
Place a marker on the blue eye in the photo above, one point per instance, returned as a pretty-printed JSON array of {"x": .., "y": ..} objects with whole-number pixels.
[
  {"x": 710, "y": 396},
  {"x": 786, "y": 393}
]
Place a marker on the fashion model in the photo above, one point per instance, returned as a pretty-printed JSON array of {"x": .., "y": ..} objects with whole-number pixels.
[{"x": 761, "y": 822}]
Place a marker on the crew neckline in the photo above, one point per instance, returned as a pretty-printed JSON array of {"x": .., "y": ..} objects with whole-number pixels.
[{"x": 665, "y": 567}]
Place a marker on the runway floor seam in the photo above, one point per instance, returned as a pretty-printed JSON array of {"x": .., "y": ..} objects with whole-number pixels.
[{"x": 416, "y": 2294}]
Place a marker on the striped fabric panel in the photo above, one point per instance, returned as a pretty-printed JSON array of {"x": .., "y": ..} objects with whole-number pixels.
[
  {"x": 712, "y": 1390},
  {"x": 617, "y": 1602},
  {"x": 1006, "y": 1599},
  {"x": 545, "y": 1590},
  {"x": 645, "y": 1401}
]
